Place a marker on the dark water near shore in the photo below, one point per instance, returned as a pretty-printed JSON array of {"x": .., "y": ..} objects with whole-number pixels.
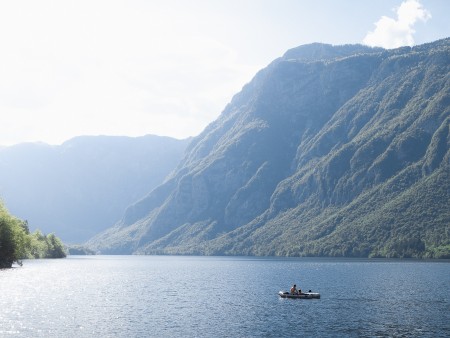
[{"x": 160, "y": 296}]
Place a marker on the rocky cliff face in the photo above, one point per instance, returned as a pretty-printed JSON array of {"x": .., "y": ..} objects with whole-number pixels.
[
  {"x": 330, "y": 150},
  {"x": 83, "y": 186}
]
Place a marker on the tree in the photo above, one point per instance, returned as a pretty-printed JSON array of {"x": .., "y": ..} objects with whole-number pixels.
[
  {"x": 13, "y": 239},
  {"x": 55, "y": 247},
  {"x": 17, "y": 243}
]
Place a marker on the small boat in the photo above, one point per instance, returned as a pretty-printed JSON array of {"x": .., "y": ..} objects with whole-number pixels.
[{"x": 303, "y": 295}]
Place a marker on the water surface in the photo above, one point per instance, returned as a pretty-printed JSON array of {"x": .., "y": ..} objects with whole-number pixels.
[{"x": 166, "y": 296}]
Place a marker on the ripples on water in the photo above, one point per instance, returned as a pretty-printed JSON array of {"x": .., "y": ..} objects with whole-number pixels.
[{"x": 160, "y": 296}]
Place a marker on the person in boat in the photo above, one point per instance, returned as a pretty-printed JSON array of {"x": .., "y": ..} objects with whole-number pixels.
[{"x": 294, "y": 289}]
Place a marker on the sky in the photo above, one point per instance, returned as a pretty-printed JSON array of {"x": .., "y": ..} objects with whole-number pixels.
[{"x": 169, "y": 67}]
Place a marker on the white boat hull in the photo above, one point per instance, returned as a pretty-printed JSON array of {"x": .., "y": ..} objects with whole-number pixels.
[{"x": 306, "y": 295}]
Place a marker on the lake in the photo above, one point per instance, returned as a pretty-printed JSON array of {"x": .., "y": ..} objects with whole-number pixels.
[{"x": 184, "y": 296}]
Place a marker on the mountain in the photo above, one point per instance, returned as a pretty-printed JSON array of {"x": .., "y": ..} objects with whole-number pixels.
[
  {"x": 83, "y": 186},
  {"x": 328, "y": 151}
]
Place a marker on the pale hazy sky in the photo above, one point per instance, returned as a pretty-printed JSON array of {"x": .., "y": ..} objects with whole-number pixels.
[{"x": 168, "y": 67}]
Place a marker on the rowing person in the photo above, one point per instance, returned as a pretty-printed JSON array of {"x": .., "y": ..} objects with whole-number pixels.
[{"x": 294, "y": 289}]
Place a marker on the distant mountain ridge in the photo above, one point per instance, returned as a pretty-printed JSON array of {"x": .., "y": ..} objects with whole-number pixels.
[
  {"x": 83, "y": 186},
  {"x": 328, "y": 151}
]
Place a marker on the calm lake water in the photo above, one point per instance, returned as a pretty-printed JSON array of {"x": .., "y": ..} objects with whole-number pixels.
[{"x": 161, "y": 296}]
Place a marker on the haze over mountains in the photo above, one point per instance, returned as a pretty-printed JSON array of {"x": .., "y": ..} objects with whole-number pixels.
[
  {"x": 83, "y": 186},
  {"x": 330, "y": 151}
]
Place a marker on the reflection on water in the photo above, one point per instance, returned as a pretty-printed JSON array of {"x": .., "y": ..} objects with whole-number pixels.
[{"x": 160, "y": 296}]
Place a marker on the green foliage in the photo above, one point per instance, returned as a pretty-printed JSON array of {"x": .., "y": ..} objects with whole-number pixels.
[
  {"x": 441, "y": 251},
  {"x": 13, "y": 238},
  {"x": 16, "y": 242},
  {"x": 42, "y": 246},
  {"x": 80, "y": 250},
  {"x": 334, "y": 156}
]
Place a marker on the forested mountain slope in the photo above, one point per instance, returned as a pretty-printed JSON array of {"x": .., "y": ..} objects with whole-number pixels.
[
  {"x": 330, "y": 151},
  {"x": 83, "y": 186}
]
